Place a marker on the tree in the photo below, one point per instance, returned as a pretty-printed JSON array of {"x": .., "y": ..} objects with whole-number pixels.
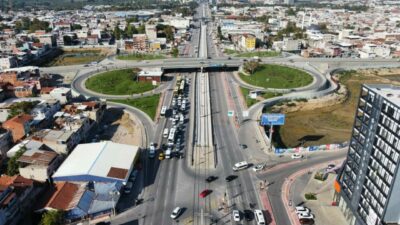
[
  {"x": 175, "y": 52},
  {"x": 52, "y": 217},
  {"x": 141, "y": 29},
  {"x": 130, "y": 30},
  {"x": 117, "y": 32},
  {"x": 12, "y": 164},
  {"x": 169, "y": 33},
  {"x": 76, "y": 27},
  {"x": 251, "y": 66}
]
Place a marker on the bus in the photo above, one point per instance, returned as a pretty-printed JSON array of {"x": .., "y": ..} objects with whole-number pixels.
[
  {"x": 171, "y": 136},
  {"x": 182, "y": 87},
  {"x": 163, "y": 110},
  {"x": 259, "y": 217}
]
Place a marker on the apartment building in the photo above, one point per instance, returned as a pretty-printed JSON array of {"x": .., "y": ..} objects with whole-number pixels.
[
  {"x": 248, "y": 42},
  {"x": 369, "y": 184}
]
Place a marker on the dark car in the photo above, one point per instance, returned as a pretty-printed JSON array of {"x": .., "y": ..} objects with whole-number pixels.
[
  {"x": 209, "y": 57},
  {"x": 230, "y": 178},
  {"x": 211, "y": 178},
  {"x": 243, "y": 146},
  {"x": 229, "y": 58},
  {"x": 248, "y": 215}
]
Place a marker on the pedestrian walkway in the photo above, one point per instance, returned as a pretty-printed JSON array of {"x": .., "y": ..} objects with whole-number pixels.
[{"x": 269, "y": 216}]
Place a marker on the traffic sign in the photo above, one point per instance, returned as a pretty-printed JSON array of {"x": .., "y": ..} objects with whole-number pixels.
[
  {"x": 272, "y": 119},
  {"x": 231, "y": 113}
]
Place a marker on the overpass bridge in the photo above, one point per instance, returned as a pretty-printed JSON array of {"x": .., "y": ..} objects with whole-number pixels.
[{"x": 201, "y": 67}]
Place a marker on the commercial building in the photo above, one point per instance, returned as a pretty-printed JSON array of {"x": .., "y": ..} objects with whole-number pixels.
[
  {"x": 99, "y": 162},
  {"x": 150, "y": 75},
  {"x": 248, "y": 42},
  {"x": 369, "y": 184}
]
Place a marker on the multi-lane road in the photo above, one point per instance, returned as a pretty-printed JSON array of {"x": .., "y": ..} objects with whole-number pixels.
[{"x": 178, "y": 182}]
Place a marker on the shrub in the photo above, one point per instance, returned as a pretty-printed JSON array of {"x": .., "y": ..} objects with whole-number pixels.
[
  {"x": 320, "y": 176},
  {"x": 310, "y": 196}
]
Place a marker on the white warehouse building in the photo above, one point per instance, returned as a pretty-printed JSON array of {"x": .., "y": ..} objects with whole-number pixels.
[{"x": 99, "y": 162}]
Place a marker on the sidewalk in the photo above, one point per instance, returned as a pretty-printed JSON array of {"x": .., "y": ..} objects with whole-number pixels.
[{"x": 287, "y": 189}]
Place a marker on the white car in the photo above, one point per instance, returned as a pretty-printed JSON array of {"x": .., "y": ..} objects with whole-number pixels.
[
  {"x": 175, "y": 214},
  {"x": 305, "y": 216},
  {"x": 258, "y": 167},
  {"x": 297, "y": 156},
  {"x": 236, "y": 215},
  {"x": 302, "y": 210}
]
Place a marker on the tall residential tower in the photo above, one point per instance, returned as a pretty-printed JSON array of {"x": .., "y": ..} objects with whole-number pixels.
[{"x": 369, "y": 184}]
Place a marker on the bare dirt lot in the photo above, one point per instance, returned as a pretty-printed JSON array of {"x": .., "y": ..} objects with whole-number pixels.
[
  {"x": 329, "y": 119},
  {"x": 120, "y": 127}
]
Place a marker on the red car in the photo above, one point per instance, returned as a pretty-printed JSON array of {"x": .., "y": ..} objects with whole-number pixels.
[{"x": 204, "y": 193}]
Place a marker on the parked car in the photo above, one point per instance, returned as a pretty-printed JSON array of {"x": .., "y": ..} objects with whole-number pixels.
[
  {"x": 248, "y": 215},
  {"x": 297, "y": 156},
  {"x": 236, "y": 215},
  {"x": 305, "y": 216},
  {"x": 302, "y": 209},
  {"x": 176, "y": 212},
  {"x": 128, "y": 187}
]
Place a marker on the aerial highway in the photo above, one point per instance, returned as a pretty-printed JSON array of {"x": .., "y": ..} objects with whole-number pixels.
[{"x": 179, "y": 182}]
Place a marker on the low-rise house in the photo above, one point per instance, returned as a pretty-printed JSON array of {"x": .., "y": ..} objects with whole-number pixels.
[
  {"x": 150, "y": 75},
  {"x": 8, "y": 62},
  {"x": 5, "y": 143},
  {"x": 60, "y": 141},
  {"x": 16, "y": 196},
  {"x": 43, "y": 113},
  {"x": 19, "y": 126},
  {"x": 93, "y": 110},
  {"x": 83, "y": 200},
  {"x": 38, "y": 165},
  {"x": 62, "y": 94},
  {"x": 92, "y": 40}
]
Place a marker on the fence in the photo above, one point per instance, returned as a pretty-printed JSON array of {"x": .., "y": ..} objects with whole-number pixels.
[{"x": 326, "y": 147}]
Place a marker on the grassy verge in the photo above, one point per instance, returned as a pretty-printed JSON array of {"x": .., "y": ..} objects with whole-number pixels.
[
  {"x": 263, "y": 96},
  {"x": 118, "y": 82},
  {"x": 327, "y": 125},
  {"x": 249, "y": 101},
  {"x": 147, "y": 104},
  {"x": 76, "y": 57},
  {"x": 259, "y": 54},
  {"x": 275, "y": 76},
  {"x": 140, "y": 56},
  {"x": 230, "y": 51}
]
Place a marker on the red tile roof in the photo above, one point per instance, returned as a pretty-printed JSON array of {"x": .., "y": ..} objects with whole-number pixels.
[{"x": 63, "y": 196}]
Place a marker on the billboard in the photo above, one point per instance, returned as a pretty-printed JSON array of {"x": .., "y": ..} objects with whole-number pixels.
[{"x": 272, "y": 119}]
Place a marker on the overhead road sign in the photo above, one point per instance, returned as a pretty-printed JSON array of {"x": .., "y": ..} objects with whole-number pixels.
[{"x": 272, "y": 119}]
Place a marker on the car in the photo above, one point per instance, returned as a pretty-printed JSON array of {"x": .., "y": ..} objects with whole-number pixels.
[
  {"x": 209, "y": 57},
  {"x": 229, "y": 58},
  {"x": 258, "y": 167},
  {"x": 331, "y": 166},
  {"x": 211, "y": 178},
  {"x": 128, "y": 187},
  {"x": 305, "y": 216},
  {"x": 306, "y": 221},
  {"x": 176, "y": 212},
  {"x": 248, "y": 215},
  {"x": 236, "y": 215},
  {"x": 204, "y": 193},
  {"x": 161, "y": 156},
  {"x": 230, "y": 178},
  {"x": 133, "y": 176},
  {"x": 243, "y": 146},
  {"x": 297, "y": 156},
  {"x": 240, "y": 166},
  {"x": 302, "y": 209}
]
